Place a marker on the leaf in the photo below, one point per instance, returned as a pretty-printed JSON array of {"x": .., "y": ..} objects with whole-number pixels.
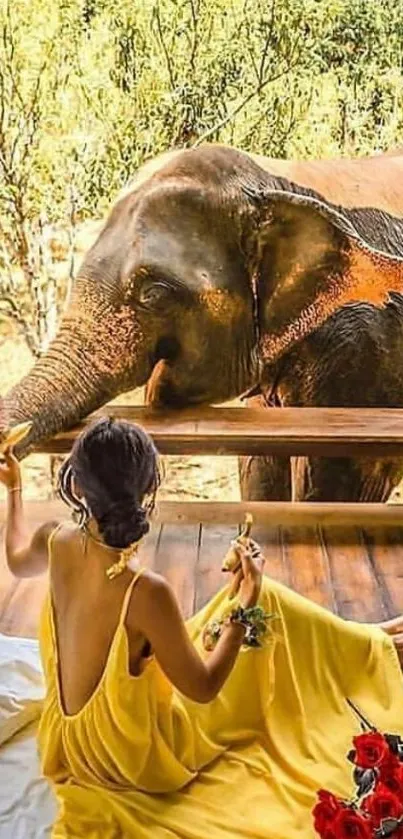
[
  {"x": 395, "y": 744},
  {"x": 387, "y": 828},
  {"x": 393, "y": 741},
  {"x": 365, "y": 780}
]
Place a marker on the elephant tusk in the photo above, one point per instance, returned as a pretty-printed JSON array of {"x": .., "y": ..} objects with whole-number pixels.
[{"x": 256, "y": 390}]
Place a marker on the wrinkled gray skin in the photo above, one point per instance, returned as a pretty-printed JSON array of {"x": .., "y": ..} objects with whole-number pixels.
[{"x": 211, "y": 276}]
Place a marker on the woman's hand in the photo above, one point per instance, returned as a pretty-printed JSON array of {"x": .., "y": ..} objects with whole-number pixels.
[
  {"x": 248, "y": 578},
  {"x": 10, "y": 473}
]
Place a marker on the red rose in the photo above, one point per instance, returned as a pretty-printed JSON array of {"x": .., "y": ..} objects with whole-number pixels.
[
  {"x": 391, "y": 776},
  {"x": 371, "y": 750},
  {"x": 350, "y": 824},
  {"x": 330, "y": 834},
  {"x": 325, "y": 812},
  {"x": 383, "y": 804}
]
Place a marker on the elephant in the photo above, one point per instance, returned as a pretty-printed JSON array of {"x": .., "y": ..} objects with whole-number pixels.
[{"x": 220, "y": 273}]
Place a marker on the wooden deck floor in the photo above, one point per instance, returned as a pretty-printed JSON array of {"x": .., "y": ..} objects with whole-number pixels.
[{"x": 355, "y": 572}]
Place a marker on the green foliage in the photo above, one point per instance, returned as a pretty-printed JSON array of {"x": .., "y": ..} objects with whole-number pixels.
[{"x": 89, "y": 89}]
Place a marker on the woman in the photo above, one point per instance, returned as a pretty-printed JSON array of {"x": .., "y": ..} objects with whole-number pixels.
[{"x": 145, "y": 733}]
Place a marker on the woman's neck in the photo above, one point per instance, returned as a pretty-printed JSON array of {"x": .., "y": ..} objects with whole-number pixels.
[
  {"x": 123, "y": 557},
  {"x": 92, "y": 529}
]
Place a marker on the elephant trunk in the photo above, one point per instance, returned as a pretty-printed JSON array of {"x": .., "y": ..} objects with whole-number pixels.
[
  {"x": 98, "y": 353},
  {"x": 55, "y": 394}
]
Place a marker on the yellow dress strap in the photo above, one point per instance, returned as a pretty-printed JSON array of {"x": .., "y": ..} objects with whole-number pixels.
[
  {"x": 128, "y": 594},
  {"x": 51, "y": 539}
]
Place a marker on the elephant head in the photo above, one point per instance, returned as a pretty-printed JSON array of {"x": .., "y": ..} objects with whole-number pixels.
[{"x": 206, "y": 269}]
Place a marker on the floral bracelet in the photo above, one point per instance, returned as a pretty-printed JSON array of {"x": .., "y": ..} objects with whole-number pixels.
[{"x": 254, "y": 620}]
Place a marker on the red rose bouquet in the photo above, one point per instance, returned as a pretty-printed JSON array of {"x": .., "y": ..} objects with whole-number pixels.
[{"x": 376, "y": 809}]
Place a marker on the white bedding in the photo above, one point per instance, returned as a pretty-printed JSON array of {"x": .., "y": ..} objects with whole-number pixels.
[{"x": 27, "y": 806}]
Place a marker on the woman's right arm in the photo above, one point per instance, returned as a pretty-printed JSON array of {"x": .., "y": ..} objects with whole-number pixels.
[
  {"x": 26, "y": 555},
  {"x": 159, "y": 619}
]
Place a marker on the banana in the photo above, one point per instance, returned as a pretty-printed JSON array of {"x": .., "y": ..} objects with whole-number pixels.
[
  {"x": 231, "y": 560},
  {"x": 15, "y": 435}
]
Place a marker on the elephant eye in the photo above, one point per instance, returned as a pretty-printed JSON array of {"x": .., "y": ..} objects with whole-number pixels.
[{"x": 153, "y": 295}]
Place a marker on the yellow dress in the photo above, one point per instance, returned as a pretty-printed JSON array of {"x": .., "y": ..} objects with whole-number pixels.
[{"x": 141, "y": 761}]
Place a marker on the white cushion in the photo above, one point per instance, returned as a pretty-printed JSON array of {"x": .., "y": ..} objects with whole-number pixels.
[{"x": 21, "y": 685}]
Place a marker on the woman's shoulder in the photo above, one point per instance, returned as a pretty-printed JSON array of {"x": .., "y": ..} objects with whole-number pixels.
[
  {"x": 150, "y": 590},
  {"x": 45, "y": 535},
  {"x": 63, "y": 531},
  {"x": 151, "y": 583},
  {"x": 62, "y": 539}
]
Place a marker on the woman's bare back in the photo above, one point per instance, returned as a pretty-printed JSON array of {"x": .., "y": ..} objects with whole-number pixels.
[{"x": 87, "y": 607}]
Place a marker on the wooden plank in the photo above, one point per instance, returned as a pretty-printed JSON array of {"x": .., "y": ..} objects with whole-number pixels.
[
  {"x": 310, "y": 572},
  {"x": 335, "y": 567},
  {"x": 270, "y": 540},
  {"x": 176, "y": 558},
  {"x": 214, "y": 543},
  {"x": 385, "y": 547},
  {"x": 265, "y": 513},
  {"x": 335, "y": 432},
  {"x": 354, "y": 583},
  {"x": 147, "y": 554}
]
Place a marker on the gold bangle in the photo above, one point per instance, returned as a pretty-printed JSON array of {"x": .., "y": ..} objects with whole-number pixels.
[{"x": 15, "y": 489}]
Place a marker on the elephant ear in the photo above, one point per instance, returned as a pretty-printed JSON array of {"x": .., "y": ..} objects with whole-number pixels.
[{"x": 311, "y": 262}]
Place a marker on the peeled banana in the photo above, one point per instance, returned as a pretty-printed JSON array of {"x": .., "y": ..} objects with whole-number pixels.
[
  {"x": 231, "y": 560},
  {"x": 15, "y": 435}
]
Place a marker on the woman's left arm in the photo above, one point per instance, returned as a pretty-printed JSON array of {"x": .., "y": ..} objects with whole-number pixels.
[{"x": 26, "y": 555}]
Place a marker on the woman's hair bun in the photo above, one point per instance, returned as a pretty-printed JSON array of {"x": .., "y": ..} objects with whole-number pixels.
[
  {"x": 122, "y": 524},
  {"x": 115, "y": 467}
]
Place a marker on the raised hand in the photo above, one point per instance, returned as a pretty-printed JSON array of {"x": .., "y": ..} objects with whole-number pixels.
[
  {"x": 10, "y": 473},
  {"x": 248, "y": 578}
]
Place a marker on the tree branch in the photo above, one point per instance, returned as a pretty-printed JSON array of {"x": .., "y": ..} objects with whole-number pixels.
[
  {"x": 72, "y": 230},
  {"x": 242, "y": 104},
  {"x": 16, "y": 314},
  {"x": 195, "y": 21},
  {"x": 262, "y": 66},
  {"x": 246, "y": 24},
  {"x": 156, "y": 15}
]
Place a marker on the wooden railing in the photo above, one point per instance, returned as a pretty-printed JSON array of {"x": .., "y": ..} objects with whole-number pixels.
[
  {"x": 330, "y": 432},
  {"x": 347, "y": 557},
  {"x": 265, "y": 513}
]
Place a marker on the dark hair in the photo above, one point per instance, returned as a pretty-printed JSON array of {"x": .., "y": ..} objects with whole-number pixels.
[{"x": 115, "y": 465}]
